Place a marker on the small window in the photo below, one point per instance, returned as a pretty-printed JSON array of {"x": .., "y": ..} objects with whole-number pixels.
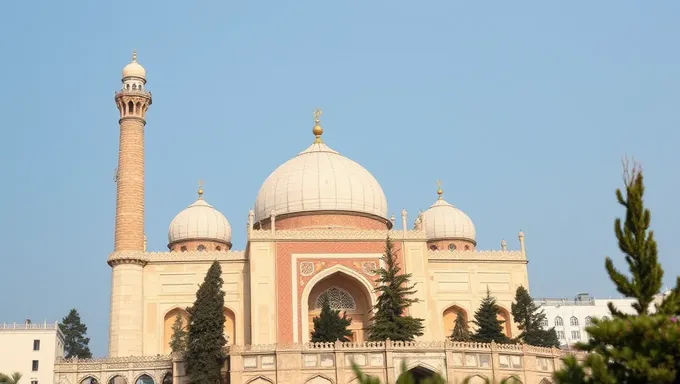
[
  {"x": 560, "y": 335},
  {"x": 573, "y": 321},
  {"x": 544, "y": 323},
  {"x": 433, "y": 247},
  {"x": 201, "y": 248},
  {"x": 558, "y": 321},
  {"x": 134, "y": 87},
  {"x": 589, "y": 321},
  {"x": 35, "y": 365},
  {"x": 36, "y": 345},
  {"x": 34, "y": 381},
  {"x": 467, "y": 247},
  {"x": 452, "y": 247},
  {"x": 183, "y": 248},
  {"x": 576, "y": 335},
  {"x": 218, "y": 248}
]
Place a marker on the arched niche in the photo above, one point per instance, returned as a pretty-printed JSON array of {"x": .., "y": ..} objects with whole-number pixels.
[
  {"x": 167, "y": 379},
  {"x": 117, "y": 379},
  {"x": 420, "y": 373},
  {"x": 144, "y": 379},
  {"x": 89, "y": 380},
  {"x": 230, "y": 326},
  {"x": 346, "y": 294},
  {"x": 504, "y": 315},
  {"x": 168, "y": 322},
  {"x": 476, "y": 379},
  {"x": 449, "y": 318},
  {"x": 319, "y": 380}
]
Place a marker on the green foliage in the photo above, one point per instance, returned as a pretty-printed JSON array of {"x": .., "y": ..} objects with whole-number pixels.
[
  {"x": 75, "y": 341},
  {"x": 329, "y": 326},
  {"x": 489, "y": 327},
  {"x": 529, "y": 317},
  {"x": 461, "y": 332},
  {"x": 178, "y": 341},
  {"x": 389, "y": 321},
  {"x": 12, "y": 378},
  {"x": 205, "y": 341},
  {"x": 640, "y": 348}
]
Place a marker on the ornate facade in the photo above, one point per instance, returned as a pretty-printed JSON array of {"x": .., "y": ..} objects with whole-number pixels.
[{"x": 319, "y": 224}]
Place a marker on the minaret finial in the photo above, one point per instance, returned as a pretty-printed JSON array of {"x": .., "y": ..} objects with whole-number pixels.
[
  {"x": 439, "y": 189},
  {"x": 200, "y": 189},
  {"x": 134, "y": 55},
  {"x": 317, "y": 130}
]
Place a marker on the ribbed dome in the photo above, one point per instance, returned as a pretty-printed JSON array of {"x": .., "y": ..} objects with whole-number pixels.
[
  {"x": 200, "y": 221},
  {"x": 444, "y": 221},
  {"x": 320, "y": 179}
]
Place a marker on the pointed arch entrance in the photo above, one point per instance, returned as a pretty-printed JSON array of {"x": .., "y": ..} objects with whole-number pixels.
[
  {"x": 348, "y": 291},
  {"x": 449, "y": 318}
]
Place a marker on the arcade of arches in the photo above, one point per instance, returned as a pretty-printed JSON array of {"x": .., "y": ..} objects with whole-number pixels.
[
  {"x": 347, "y": 295},
  {"x": 142, "y": 379},
  {"x": 451, "y": 313},
  {"x": 169, "y": 320}
]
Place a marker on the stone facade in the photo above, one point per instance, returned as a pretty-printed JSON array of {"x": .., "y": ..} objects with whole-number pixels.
[{"x": 320, "y": 363}]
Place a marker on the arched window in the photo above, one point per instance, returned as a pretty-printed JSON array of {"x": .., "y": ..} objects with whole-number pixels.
[
  {"x": 467, "y": 247},
  {"x": 218, "y": 248},
  {"x": 200, "y": 248},
  {"x": 144, "y": 379},
  {"x": 589, "y": 321},
  {"x": 134, "y": 87},
  {"x": 338, "y": 298},
  {"x": 452, "y": 247},
  {"x": 131, "y": 108},
  {"x": 433, "y": 247},
  {"x": 573, "y": 321},
  {"x": 558, "y": 321},
  {"x": 183, "y": 248}
]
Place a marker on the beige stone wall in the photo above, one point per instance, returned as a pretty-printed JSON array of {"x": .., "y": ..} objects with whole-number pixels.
[{"x": 125, "y": 332}]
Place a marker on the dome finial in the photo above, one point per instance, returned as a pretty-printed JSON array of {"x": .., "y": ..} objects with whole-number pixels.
[
  {"x": 317, "y": 130},
  {"x": 200, "y": 189},
  {"x": 134, "y": 55},
  {"x": 439, "y": 189}
]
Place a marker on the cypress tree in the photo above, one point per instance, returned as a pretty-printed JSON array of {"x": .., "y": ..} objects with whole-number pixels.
[
  {"x": 76, "y": 343},
  {"x": 529, "y": 318},
  {"x": 461, "y": 331},
  {"x": 489, "y": 327},
  {"x": 329, "y": 326},
  {"x": 205, "y": 340},
  {"x": 389, "y": 321},
  {"x": 178, "y": 341},
  {"x": 638, "y": 348}
]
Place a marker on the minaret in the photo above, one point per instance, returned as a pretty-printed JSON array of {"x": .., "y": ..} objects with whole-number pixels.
[{"x": 127, "y": 261}]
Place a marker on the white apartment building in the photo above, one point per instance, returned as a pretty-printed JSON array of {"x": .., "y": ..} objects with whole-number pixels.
[
  {"x": 30, "y": 349},
  {"x": 570, "y": 317}
]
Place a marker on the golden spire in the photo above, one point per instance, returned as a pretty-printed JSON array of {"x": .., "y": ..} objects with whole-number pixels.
[
  {"x": 439, "y": 189},
  {"x": 317, "y": 130},
  {"x": 134, "y": 55},
  {"x": 200, "y": 189}
]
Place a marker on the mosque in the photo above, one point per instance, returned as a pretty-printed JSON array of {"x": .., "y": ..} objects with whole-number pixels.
[{"x": 319, "y": 224}]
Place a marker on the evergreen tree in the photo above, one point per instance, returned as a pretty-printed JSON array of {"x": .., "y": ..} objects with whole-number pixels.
[
  {"x": 529, "y": 318},
  {"x": 638, "y": 348},
  {"x": 75, "y": 339},
  {"x": 389, "y": 321},
  {"x": 461, "y": 332},
  {"x": 329, "y": 326},
  {"x": 489, "y": 327},
  {"x": 205, "y": 340},
  {"x": 12, "y": 378},
  {"x": 178, "y": 341}
]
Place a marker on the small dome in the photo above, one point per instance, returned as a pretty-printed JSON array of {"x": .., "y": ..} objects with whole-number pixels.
[
  {"x": 320, "y": 179},
  {"x": 134, "y": 69},
  {"x": 444, "y": 221},
  {"x": 200, "y": 221}
]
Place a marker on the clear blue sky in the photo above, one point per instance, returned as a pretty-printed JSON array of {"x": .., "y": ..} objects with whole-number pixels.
[{"x": 522, "y": 109}]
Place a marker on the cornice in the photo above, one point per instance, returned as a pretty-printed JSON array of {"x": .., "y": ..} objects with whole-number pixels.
[
  {"x": 336, "y": 235},
  {"x": 131, "y": 118},
  {"x": 196, "y": 256},
  {"x": 446, "y": 255}
]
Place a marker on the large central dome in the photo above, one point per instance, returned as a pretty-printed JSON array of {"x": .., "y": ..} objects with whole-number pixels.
[{"x": 319, "y": 179}]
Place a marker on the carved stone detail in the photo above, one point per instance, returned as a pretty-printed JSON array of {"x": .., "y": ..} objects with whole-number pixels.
[
  {"x": 370, "y": 268},
  {"x": 307, "y": 268}
]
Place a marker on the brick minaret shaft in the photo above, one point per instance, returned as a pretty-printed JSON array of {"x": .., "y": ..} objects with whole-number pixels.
[{"x": 127, "y": 261}]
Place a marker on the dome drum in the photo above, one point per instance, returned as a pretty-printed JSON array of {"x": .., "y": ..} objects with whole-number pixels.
[
  {"x": 194, "y": 245},
  {"x": 326, "y": 220}
]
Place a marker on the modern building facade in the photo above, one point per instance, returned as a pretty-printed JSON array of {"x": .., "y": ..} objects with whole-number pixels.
[
  {"x": 319, "y": 225},
  {"x": 31, "y": 349}
]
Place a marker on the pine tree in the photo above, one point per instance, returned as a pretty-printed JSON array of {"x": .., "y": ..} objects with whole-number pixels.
[
  {"x": 329, "y": 326},
  {"x": 178, "y": 341},
  {"x": 489, "y": 327},
  {"x": 638, "y": 348},
  {"x": 529, "y": 318},
  {"x": 76, "y": 343},
  {"x": 389, "y": 321},
  {"x": 205, "y": 340},
  {"x": 461, "y": 332}
]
